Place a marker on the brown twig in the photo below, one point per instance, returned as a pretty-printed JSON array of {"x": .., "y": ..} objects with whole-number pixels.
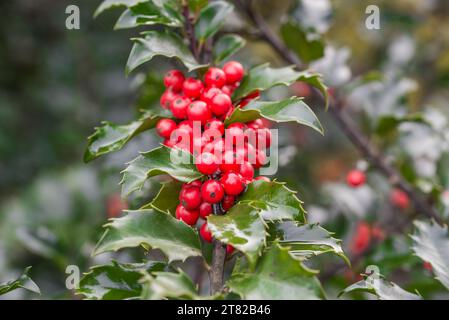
[{"x": 352, "y": 132}]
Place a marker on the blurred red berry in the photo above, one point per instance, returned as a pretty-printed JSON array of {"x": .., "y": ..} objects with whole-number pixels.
[
  {"x": 205, "y": 209},
  {"x": 400, "y": 199},
  {"x": 355, "y": 178},
  {"x": 174, "y": 79},
  {"x": 165, "y": 127},
  {"x": 188, "y": 216},
  {"x": 192, "y": 88},
  {"x": 205, "y": 233},
  {"x": 234, "y": 71},
  {"x": 361, "y": 239},
  {"x": 215, "y": 77}
]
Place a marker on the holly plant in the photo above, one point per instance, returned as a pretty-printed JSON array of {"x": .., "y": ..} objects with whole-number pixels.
[{"x": 249, "y": 231}]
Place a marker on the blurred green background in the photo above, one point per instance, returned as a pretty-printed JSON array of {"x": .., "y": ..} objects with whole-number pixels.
[{"x": 57, "y": 84}]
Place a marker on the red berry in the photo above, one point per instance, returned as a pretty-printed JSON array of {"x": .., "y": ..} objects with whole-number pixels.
[
  {"x": 174, "y": 79},
  {"x": 229, "y": 249},
  {"x": 355, "y": 178},
  {"x": 234, "y": 132},
  {"x": 186, "y": 125},
  {"x": 198, "y": 111},
  {"x": 215, "y": 124},
  {"x": 193, "y": 184},
  {"x": 266, "y": 179},
  {"x": 190, "y": 198},
  {"x": 188, "y": 216},
  {"x": 205, "y": 233},
  {"x": 428, "y": 266},
  {"x": 212, "y": 191},
  {"x": 378, "y": 233},
  {"x": 261, "y": 159},
  {"x": 400, "y": 199},
  {"x": 209, "y": 93},
  {"x": 228, "y": 90},
  {"x": 247, "y": 171},
  {"x": 228, "y": 114},
  {"x": 233, "y": 183},
  {"x": 167, "y": 97},
  {"x": 215, "y": 77},
  {"x": 255, "y": 124},
  {"x": 220, "y": 104},
  {"x": 207, "y": 163},
  {"x": 234, "y": 71},
  {"x": 205, "y": 209},
  {"x": 165, "y": 127},
  {"x": 228, "y": 202},
  {"x": 230, "y": 162},
  {"x": 263, "y": 137},
  {"x": 361, "y": 239},
  {"x": 192, "y": 88},
  {"x": 179, "y": 106}
]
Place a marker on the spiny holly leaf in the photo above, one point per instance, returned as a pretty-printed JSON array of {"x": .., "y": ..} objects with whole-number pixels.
[
  {"x": 163, "y": 285},
  {"x": 309, "y": 240},
  {"x": 291, "y": 109},
  {"x": 165, "y": 201},
  {"x": 109, "y": 4},
  {"x": 151, "y": 228},
  {"x": 163, "y": 160},
  {"x": 150, "y": 13},
  {"x": 112, "y": 137},
  {"x": 158, "y": 43},
  {"x": 264, "y": 77},
  {"x": 275, "y": 201},
  {"x": 116, "y": 281},
  {"x": 226, "y": 46},
  {"x": 24, "y": 282},
  {"x": 383, "y": 289},
  {"x": 307, "y": 47},
  {"x": 278, "y": 276},
  {"x": 243, "y": 228},
  {"x": 211, "y": 18},
  {"x": 431, "y": 243}
]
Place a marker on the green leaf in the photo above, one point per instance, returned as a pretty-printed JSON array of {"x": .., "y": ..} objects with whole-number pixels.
[
  {"x": 431, "y": 243},
  {"x": 211, "y": 18},
  {"x": 111, "y": 137},
  {"x": 156, "y": 162},
  {"x": 24, "y": 282},
  {"x": 163, "y": 285},
  {"x": 157, "y": 43},
  {"x": 291, "y": 109},
  {"x": 197, "y": 5},
  {"x": 308, "y": 47},
  {"x": 109, "y": 4},
  {"x": 309, "y": 240},
  {"x": 226, "y": 46},
  {"x": 165, "y": 201},
  {"x": 243, "y": 228},
  {"x": 278, "y": 276},
  {"x": 116, "y": 281},
  {"x": 151, "y": 228},
  {"x": 383, "y": 289},
  {"x": 390, "y": 122},
  {"x": 264, "y": 77},
  {"x": 150, "y": 13},
  {"x": 275, "y": 201}
]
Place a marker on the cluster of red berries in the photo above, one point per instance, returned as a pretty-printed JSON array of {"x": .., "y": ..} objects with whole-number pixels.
[{"x": 200, "y": 109}]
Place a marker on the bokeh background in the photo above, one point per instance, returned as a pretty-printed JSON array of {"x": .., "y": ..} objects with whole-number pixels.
[{"x": 57, "y": 84}]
